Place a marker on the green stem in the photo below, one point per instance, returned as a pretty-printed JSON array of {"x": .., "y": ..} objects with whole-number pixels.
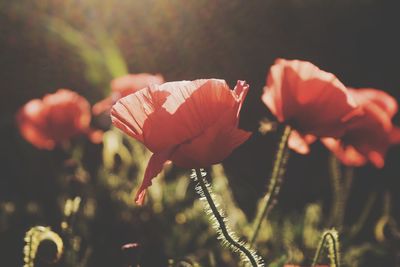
[
  {"x": 335, "y": 177},
  {"x": 347, "y": 183},
  {"x": 278, "y": 171},
  {"x": 341, "y": 184},
  {"x": 356, "y": 228},
  {"x": 333, "y": 248},
  {"x": 220, "y": 219}
]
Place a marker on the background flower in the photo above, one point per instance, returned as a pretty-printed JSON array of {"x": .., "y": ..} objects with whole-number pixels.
[
  {"x": 55, "y": 119},
  {"x": 125, "y": 85},
  {"x": 312, "y": 101}
]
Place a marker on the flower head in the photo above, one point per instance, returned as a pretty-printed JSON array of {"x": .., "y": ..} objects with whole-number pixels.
[
  {"x": 125, "y": 85},
  {"x": 55, "y": 119},
  {"x": 312, "y": 101},
  {"x": 192, "y": 123},
  {"x": 370, "y": 137}
]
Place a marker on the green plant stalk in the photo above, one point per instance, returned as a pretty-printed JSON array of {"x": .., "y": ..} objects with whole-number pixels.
[
  {"x": 341, "y": 184},
  {"x": 346, "y": 187},
  {"x": 356, "y": 228},
  {"x": 330, "y": 236},
  {"x": 222, "y": 228},
  {"x": 278, "y": 171},
  {"x": 335, "y": 178}
]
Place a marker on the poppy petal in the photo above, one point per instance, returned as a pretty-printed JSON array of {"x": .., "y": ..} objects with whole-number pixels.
[
  {"x": 95, "y": 136},
  {"x": 102, "y": 106},
  {"x": 213, "y": 145},
  {"x": 394, "y": 135},
  {"x": 172, "y": 113},
  {"x": 154, "y": 167},
  {"x": 131, "y": 83},
  {"x": 300, "y": 143},
  {"x": 32, "y": 124},
  {"x": 377, "y": 159},
  {"x": 372, "y": 134},
  {"x": 382, "y": 99},
  {"x": 348, "y": 155}
]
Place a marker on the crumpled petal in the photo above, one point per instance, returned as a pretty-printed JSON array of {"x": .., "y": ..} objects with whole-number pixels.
[
  {"x": 165, "y": 115},
  {"x": 213, "y": 145},
  {"x": 131, "y": 112}
]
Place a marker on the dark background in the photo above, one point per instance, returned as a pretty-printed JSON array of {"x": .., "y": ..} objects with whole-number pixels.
[{"x": 356, "y": 40}]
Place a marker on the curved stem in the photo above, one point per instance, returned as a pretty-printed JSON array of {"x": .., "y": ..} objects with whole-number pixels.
[
  {"x": 221, "y": 223},
  {"x": 333, "y": 248},
  {"x": 278, "y": 171},
  {"x": 34, "y": 237}
]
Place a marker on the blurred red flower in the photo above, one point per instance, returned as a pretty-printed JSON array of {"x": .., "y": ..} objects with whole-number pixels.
[
  {"x": 55, "y": 119},
  {"x": 125, "y": 85},
  {"x": 192, "y": 123},
  {"x": 314, "y": 102},
  {"x": 369, "y": 139}
]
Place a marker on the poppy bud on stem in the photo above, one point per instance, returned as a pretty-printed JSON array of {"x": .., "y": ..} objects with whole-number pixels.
[{"x": 278, "y": 171}]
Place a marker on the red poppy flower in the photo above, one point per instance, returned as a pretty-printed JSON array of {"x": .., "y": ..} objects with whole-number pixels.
[
  {"x": 55, "y": 119},
  {"x": 192, "y": 123},
  {"x": 125, "y": 85},
  {"x": 312, "y": 101},
  {"x": 369, "y": 138}
]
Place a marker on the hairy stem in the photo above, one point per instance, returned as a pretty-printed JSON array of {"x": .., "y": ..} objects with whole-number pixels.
[
  {"x": 278, "y": 171},
  {"x": 34, "y": 237},
  {"x": 222, "y": 228},
  {"x": 331, "y": 238}
]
